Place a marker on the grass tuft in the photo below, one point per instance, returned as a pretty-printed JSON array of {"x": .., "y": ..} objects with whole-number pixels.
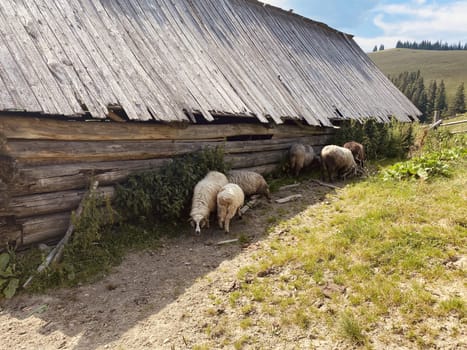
[{"x": 351, "y": 329}]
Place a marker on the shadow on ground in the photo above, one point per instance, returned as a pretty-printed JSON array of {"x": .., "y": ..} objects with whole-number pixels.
[{"x": 91, "y": 316}]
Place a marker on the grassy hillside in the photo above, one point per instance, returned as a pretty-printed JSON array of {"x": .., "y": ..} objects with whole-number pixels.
[{"x": 434, "y": 65}]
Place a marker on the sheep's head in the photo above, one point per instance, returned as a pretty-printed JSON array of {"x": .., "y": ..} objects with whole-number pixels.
[{"x": 198, "y": 221}]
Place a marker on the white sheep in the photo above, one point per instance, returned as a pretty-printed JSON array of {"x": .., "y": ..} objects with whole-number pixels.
[
  {"x": 205, "y": 198},
  {"x": 336, "y": 160},
  {"x": 250, "y": 182},
  {"x": 229, "y": 202},
  {"x": 300, "y": 156}
]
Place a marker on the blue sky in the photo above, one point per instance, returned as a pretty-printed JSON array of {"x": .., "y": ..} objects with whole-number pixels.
[{"x": 376, "y": 22}]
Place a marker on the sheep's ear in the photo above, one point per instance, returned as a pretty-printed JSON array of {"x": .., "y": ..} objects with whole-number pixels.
[{"x": 191, "y": 221}]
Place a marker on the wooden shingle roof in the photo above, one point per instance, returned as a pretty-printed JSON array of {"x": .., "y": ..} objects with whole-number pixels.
[{"x": 163, "y": 60}]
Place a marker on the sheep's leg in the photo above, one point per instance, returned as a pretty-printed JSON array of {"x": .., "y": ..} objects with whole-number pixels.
[
  {"x": 229, "y": 215},
  {"x": 221, "y": 215},
  {"x": 226, "y": 226},
  {"x": 326, "y": 171}
]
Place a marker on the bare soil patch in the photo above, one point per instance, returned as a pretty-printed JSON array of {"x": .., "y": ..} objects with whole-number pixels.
[{"x": 154, "y": 299}]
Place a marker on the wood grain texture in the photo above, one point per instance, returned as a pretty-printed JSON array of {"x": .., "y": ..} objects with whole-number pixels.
[{"x": 164, "y": 60}]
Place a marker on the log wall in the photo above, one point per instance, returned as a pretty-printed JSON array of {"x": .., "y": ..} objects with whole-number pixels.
[{"x": 46, "y": 165}]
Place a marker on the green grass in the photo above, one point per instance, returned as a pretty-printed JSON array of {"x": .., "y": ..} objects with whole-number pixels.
[
  {"x": 457, "y": 127},
  {"x": 434, "y": 65},
  {"x": 376, "y": 250}
]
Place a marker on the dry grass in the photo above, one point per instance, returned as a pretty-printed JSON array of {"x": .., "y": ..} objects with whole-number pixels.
[{"x": 375, "y": 253}]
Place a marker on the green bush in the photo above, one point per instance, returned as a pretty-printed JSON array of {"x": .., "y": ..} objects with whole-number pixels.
[
  {"x": 427, "y": 166},
  {"x": 442, "y": 139},
  {"x": 9, "y": 281},
  {"x": 165, "y": 195},
  {"x": 381, "y": 140}
]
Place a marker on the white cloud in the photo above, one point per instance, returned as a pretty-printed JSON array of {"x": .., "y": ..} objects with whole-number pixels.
[{"x": 417, "y": 21}]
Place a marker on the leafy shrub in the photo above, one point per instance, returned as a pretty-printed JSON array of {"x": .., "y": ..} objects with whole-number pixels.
[
  {"x": 442, "y": 139},
  {"x": 429, "y": 165},
  {"x": 381, "y": 140},
  {"x": 8, "y": 280},
  {"x": 165, "y": 195}
]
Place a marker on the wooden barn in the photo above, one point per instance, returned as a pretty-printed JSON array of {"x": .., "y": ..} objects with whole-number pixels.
[{"x": 106, "y": 88}]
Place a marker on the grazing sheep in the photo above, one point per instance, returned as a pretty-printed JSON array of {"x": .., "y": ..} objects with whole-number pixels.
[
  {"x": 229, "y": 201},
  {"x": 358, "y": 152},
  {"x": 250, "y": 182},
  {"x": 204, "y": 199},
  {"x": 336, "y": 160},
  {"x": 301, "y": 156}
]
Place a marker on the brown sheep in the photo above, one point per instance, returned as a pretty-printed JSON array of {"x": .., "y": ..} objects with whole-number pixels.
[{"x": 358, "y": 152}]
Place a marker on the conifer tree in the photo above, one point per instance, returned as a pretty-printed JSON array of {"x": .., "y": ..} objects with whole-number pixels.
[
  {"x": 375, "y": 48},
  {"x": 441, "y": 102},
  {"x": 431, "y": 99},
  {"x": 381, "y": 47},
  {"x": 459, "y": 100}
]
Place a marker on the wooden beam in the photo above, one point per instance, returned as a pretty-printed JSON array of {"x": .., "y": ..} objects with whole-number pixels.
[
  {"x": 62, "y": 152},
  {"x": 49, "y": 203},
  {"x": 53, "y": 178},
  {"x": 246, "y": 160},
  {"x": 43, "y": 228},
  {"x": 27, "y": 128},
  {"x": 8, "y": 168}
]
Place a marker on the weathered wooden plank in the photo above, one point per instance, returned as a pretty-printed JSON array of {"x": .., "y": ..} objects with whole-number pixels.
[
  {"x": 49, "y": 203},
  {"x": 43, "y": 228},
  {"x": 57, "y": 61},
  {"x": 59, "y": 152},
  {"x": 98, "y": 65},
  {"x": 80, "y": 59},
  {"x": 8, "y": 168},
  {"x": 269, "y": 78},
  {"x": 247, "y": 160},
  {"x": 9, "y": 232},
  {"x": 32, "y": 63},
  {"x": 42, "y": 179},
  {"x": 228, "y": 67},
  {"x": 22, "y": 96},
  {"x": 156, "y": 81},
  {"x": 46, "y": 129},
  {"x": 122, "y": 66}
]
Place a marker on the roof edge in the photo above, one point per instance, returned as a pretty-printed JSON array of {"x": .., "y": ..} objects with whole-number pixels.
[{"x": 306, "y": 19}]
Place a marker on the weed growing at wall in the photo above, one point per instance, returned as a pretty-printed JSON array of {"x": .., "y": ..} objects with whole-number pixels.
[
  {"x": 165, "y": 195},
  {"x": 441, "y": 150},
  {"x": 9, "y": 281},
  {"x": 381, "y": 140}
]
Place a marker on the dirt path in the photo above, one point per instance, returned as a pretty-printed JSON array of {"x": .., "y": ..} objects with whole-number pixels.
[{"x": 154, "y": 299}]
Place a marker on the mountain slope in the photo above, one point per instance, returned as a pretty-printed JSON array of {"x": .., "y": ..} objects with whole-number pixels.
[{"x": 451, "y": 66}]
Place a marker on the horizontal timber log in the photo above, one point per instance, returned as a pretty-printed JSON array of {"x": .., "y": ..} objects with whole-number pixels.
[
  {"x": 52, "y": 152},
  {"x": 10, "y": 231},
  {"x": 35, "y": 229},
  {"x": 44, "y": 228},
  {"x": 41, "y": 179},
  {"x": 34, "y": 179},
  {"x": 49, "y": 203},
  {"x": 255, "y": 159},
  {"x": 28, "y": 128},
  {"x": 8, "y": 168}
]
